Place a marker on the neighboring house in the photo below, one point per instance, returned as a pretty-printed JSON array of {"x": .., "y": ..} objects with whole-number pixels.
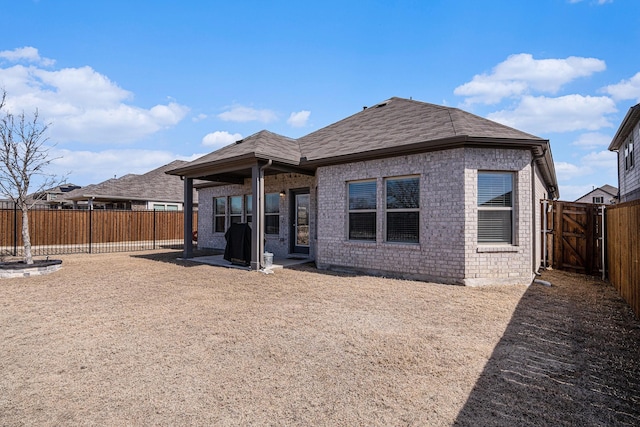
[
  {"x": 54, "y": 197},
  {"x": 605, "y": 195},
  {"x": 50, "y": 198},
  {"x": 403, "y": 188},
  {"x": 154, "y": 190},
  {"x": 625, "y": 143}
]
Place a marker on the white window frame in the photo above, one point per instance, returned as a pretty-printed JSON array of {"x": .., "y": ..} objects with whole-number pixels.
[
  {"x": 598, "y": 199},
  {"x": 629, "y": 160},
  {"x": 498, "y": 208},
  {"x": 237, "y": 215},
  {"x": 358, "y": 211},
  {"x": 270, "y": 214},
  {"x": 400, "y": 210},
  {"x": 217, "y": 215},
  {"x": 248, "y": 208}
]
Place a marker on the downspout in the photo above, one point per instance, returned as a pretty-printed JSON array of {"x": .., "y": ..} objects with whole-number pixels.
[
  {"x": 261, "y": 204},
  {"x": 534, "y": 234}
]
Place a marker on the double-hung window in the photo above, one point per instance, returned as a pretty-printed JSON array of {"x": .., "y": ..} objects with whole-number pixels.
[
  {"x": 248, "y": 208},
  {"x": 272, "y": 213},
  {"x": 219, "y": 214},
  {"x": 403, "y": 209},
  {"x": 495, "y": 207},
  {"x": 362, "y": 210},
  {"x": 235, "y": 209},
  {"x": 628, "y": 153}
]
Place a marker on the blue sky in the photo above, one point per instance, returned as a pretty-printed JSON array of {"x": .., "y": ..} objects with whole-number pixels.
[{"x": 131, "y": 85}]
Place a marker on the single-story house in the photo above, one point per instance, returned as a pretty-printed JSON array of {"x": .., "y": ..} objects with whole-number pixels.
[
  {"x": 153, "y": 190},
  {"x": 605, "y": 195},
  {"x": 403, "y": 188},
  {"x": 625, "y": 143}
]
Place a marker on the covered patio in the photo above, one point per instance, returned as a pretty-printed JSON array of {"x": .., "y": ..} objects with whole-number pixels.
[{"x": 246, "y": 161}]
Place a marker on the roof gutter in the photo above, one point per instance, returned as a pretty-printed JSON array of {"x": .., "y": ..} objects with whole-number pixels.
[{"x": 629, "y": 121}]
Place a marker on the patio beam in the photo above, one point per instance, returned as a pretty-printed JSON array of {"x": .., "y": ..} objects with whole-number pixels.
[
  {"x": 188, "y": 218},
  {"x": 257, "y": 191}
]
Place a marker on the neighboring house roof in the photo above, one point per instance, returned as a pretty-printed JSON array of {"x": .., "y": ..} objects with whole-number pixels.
[
  {"x": 154, "y": 185},
  {"x": 393, "y": 127},
  {"x": 609, "y": 189},
  {"x": 628, "y": 123}
]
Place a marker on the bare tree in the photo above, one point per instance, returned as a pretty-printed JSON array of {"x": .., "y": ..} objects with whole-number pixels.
[{"x": 23, "y": 160}]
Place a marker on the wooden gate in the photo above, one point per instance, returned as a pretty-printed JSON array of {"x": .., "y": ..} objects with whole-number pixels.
[{"x": 574, "y": 232}]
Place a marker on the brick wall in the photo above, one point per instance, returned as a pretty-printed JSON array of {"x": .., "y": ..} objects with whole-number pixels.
[
  {"x": 495, "y": 264},
  {"x": 439, "y": 255},
  {"x": 448, "y": 250}
]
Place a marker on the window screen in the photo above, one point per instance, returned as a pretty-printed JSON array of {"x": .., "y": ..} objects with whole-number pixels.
[
  {"x": 362, "y": 210},
  {"x": 403, "y": 209},
  {"x": 495, "y": 207}
]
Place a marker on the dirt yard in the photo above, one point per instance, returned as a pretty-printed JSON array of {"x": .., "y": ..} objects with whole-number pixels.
[{"x": 144, "y": 339}]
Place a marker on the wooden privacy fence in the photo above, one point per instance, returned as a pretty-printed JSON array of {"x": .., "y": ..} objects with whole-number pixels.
[
  {"x": 623, "y": 251},
  {"x": 573, "y": 235},
  {"x": 92, "y": 231}
]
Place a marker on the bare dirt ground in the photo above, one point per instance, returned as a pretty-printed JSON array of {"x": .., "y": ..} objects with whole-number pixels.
[{"x": 144, "y": 339}]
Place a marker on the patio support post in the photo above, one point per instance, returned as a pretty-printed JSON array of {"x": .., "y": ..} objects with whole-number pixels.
[
  {"x": 257, "y": 236},
  {"x": 188, "y": 218}
]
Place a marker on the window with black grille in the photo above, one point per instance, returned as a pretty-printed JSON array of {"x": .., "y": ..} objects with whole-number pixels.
[
  {"x": 403, "y": 209},
  {"x": 362, "y": 210}
]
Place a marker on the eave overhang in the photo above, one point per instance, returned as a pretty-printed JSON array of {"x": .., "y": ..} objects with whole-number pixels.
[{"x": 628, "y": 123}]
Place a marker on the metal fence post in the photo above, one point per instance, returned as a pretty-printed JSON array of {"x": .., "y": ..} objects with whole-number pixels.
[
  {"x": 15, "y": 229},
  {"x": 90, "y": 227},
  {"x": 154, "y": 229}
]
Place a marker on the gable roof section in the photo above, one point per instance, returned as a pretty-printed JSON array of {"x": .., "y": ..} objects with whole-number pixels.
[
  {"x": 609, "y": 189},
  {"x": 628, "y": 123},
  {"x": 398, "y": 124},
  {"x": 263, "y": 145},
  {"x": 154, "y": 185}
]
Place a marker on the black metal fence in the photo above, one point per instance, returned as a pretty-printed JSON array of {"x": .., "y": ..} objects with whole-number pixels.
[{"x": 65, "y": 231}]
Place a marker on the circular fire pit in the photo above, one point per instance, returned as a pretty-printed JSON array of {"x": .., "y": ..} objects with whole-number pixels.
[{"x": 21, "y": 269}]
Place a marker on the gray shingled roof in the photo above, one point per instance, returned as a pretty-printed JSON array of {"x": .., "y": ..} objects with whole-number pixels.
[
  {"x": 393, "y": 127},
  {"x": 261, "y": 144},
  {"x": 154, "y": 185},
  {"x": 400, "y": 122}
]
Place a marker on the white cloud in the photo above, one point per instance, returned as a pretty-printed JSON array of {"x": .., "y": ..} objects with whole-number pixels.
[
  {"x": 299, "y": 119},
  {"x": 219, "y": 139},
  {"x": 91, "y": 167},
  {"x": 592, "y": 140},
  {"x": 240, "y": 113},
  {"x": 26, "y": 54},
  {"x": 84, "y": 105},
  {"x": 626, "y": 89},
  {"x": 599, "y": 2},
  {"x": 199, "y": 118},
  {"x": 521, "y": 73},
  {"x": 568, "y": 113},
  {"x": 599, "y": 167}
]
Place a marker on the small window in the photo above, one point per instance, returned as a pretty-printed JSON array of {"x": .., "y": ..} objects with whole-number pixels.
[
  {"x": 172, "y": 208},
  {"x": 628, "y": 153},
  {"x": 362, "y": 210},
  {"x": 157, "y": 207},
  {"x": 219, "y": 214},
  {"x": 235, "y": 209},
  {"x": 248, "y": 208},
  {"x": 495, "y": 207},
  {"x": 272, "y": 213},
  {"x": 598, "y": 199},
  {"x": 403, "y": 209}
]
